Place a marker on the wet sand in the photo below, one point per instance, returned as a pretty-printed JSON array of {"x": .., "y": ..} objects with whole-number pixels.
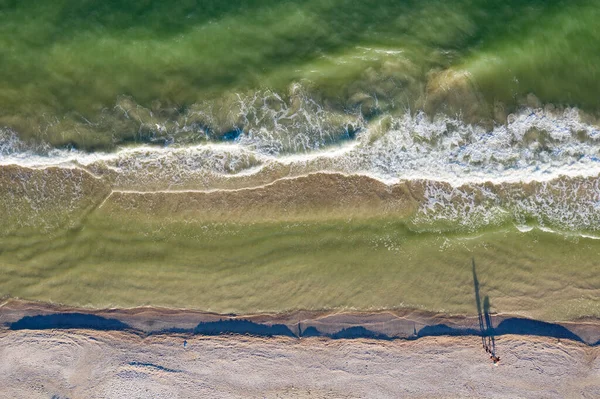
[{"x": 97, "y": 364}]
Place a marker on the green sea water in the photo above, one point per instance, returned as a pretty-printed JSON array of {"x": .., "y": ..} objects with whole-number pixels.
[
  {"x": 363, "y": 265},
  {"x": 66, "y": 239},
  {"x": 438, "y": 131},
  {"x": 75, "y": 72}
]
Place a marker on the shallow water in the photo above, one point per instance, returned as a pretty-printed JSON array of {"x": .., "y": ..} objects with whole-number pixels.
[
  {"x": 267, "y": 156},
  {"x": 275, "y": 267}
]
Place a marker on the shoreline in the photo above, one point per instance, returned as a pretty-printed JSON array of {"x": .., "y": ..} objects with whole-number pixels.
[{"x": 398, "y": 324}]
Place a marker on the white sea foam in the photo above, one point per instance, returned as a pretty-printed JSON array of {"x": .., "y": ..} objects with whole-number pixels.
[
  {"x": 391, "y": 149},
  {"x": 570, "y": 204},
  {"x": 524, "y": 228},
  {"x": 447, "y": 150},
  {"x": 591, "y": 237},
  {"x": 406, "y": 147}
]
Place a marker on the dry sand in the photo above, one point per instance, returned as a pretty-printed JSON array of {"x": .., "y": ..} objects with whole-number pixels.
[{"x": 119, "y": 364}]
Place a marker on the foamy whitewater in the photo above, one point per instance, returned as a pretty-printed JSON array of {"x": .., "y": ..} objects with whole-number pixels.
[
  {"x": 389, "y": 149},
  {"x": 535, "y": 147}
]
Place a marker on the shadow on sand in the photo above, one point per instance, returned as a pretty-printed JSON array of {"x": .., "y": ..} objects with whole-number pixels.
[
  {"x": 68, "y": 321},
  {"x": 357, "y": 332},
  {"x": 511, "y": 326},
  {"x": 515, "y": 325},
  {"x": 486, "y": 328},
  {"x": 233, "y": 326}
]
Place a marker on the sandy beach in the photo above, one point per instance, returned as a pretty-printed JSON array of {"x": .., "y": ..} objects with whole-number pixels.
[
  {"x": 67, "y": 352},
  {"x": 95, "y": 364}
]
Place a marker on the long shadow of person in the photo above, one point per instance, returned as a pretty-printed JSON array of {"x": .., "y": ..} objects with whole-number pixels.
[
  {"x": 489, "y": 327},
  {"x": 486, "y": 328},
  {"x": 479, "y": 308}
]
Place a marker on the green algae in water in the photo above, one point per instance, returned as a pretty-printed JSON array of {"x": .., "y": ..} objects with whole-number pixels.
[{"x": 66, "y": 63}]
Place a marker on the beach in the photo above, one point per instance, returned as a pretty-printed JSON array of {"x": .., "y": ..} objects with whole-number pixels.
[
  {"x": 299, "y": 198},
  {"x": 83, "y": 363},
  {"x": 58, "y": 351}
]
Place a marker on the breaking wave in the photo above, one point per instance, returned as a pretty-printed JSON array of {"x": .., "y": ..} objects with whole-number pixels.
[
  {"x": 535, "y": 144},
  {"x": 542, "y": 162}
]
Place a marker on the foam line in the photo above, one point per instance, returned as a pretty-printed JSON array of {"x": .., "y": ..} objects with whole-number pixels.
[{"x": 534, "y": 145}]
